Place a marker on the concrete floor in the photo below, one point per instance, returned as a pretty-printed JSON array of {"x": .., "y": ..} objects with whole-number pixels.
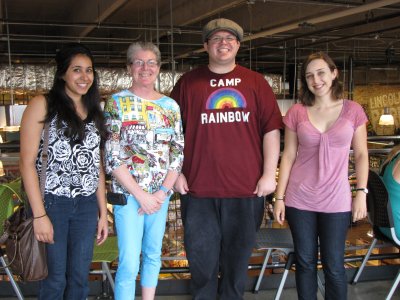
[{"x": 367, "y": 290}]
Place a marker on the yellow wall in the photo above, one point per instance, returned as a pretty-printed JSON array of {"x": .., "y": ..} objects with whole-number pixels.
[{"x": 375, "y": 97}]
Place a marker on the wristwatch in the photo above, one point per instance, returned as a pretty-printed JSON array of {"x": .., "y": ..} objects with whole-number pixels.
[
  {"x": 365, "y": 190},
  {"x": 166, "y": 191}
]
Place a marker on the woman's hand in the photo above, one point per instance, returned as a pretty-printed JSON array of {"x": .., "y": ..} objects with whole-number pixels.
[
  {"x": 43, "y": 230},
  {"x": 359, "y": 206},
  {"x": 161, "y": 196},
  {"x": 102, "y": 230},
  {"x": 279, "y": 211},
  {"x": 149, "y": 203}
]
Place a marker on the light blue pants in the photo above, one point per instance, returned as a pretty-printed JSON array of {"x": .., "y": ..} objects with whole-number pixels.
[{"x": 138, "y": 234}]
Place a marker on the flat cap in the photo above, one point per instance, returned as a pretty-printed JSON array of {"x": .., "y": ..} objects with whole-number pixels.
[{"x": 222, "y": 24}]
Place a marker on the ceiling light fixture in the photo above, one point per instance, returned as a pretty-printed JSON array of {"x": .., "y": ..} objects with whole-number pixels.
[
  {"x": 386, "y": 125},
  {"x": 386, "y": 118}
]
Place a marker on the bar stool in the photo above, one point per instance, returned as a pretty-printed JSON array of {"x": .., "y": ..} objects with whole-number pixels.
[{"x": 273, "y": 239}]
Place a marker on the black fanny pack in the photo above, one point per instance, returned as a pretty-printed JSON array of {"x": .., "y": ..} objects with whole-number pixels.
[{"x": 116, "y": 198}]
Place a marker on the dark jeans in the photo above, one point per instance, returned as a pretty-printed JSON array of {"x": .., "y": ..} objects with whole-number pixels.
[
  {"x": 219, "y": 238},
  {"x": 74, "y": 221},
  {"x": 331, "y": 229}
]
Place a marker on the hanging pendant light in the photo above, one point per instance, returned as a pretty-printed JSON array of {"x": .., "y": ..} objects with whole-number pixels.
[
  {"x": 386, "y": 118},
  {"x": 386, "y": 125}
]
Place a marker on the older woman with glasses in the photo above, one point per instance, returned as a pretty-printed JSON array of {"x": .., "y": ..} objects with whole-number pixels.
[{"x": 144, "y": 154}]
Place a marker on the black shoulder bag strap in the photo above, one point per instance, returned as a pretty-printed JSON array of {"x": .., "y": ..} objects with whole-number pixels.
[{"x": 45, "y": 152}]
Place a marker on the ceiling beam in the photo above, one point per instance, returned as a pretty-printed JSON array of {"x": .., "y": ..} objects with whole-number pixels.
[
  {"x": 212, "y": 12},
  {"x": 183, "y": 15},
  {"x": 103, "y": 15},
  {"x": 312, "y": 21},
  {"x": 92, "y": 13},
  {"x": 324, "y": 18}
]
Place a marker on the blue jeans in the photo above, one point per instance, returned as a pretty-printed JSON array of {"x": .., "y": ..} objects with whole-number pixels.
[
  {"x": 68, "y": 259},
  {"x": 330, "y": 229},
  {"x": 138, "y": 234}
]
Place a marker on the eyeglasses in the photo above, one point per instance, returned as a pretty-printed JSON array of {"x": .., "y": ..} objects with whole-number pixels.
[
  {"x": 138, "y": 63},
  {"x": 219, "y": 39}
]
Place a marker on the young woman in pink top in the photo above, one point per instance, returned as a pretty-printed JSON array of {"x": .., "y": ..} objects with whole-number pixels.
[{"x": 313, "y": 190}]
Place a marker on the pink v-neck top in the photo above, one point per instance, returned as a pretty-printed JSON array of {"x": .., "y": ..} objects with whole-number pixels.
[{"x": 319, "y": 177}]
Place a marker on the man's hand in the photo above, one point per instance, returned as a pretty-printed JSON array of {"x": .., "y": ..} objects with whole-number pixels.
[
  {"x": 181, "y": 185},
  {"x": 265, "y": 186}
]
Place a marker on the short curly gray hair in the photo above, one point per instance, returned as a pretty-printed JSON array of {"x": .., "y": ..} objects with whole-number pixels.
[{"x": 139, "y": 46}]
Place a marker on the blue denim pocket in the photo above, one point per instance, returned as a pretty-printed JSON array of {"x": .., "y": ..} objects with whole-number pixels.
[{"x": 48, "y": 201}]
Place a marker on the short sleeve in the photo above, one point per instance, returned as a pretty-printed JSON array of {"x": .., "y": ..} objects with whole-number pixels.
[
  {"x": 360, "y": 115},
  {"x": 291, "y": 119},
  {"x": 113, "y": 126},
  {"x": 269, "y": 114}
]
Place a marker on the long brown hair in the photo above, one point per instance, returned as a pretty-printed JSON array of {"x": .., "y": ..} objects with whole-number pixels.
[{"x": 306, "y": 97}]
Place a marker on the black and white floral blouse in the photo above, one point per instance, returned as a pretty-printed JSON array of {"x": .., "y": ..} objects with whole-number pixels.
[{"x": 73, "y": 167}]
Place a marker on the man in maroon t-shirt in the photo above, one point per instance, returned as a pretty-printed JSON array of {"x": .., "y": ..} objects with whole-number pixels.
[{"x": 231, "y": 121}]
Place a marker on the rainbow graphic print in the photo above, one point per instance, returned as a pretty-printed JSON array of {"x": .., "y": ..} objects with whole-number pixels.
[{"x": 226, "y": 98}]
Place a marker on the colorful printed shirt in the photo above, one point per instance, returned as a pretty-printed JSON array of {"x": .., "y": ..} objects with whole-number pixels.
[
  {"x": 146, "y": 136},
  {"x": 72, "y": 167},
  {"x": 225, "y": 117}
]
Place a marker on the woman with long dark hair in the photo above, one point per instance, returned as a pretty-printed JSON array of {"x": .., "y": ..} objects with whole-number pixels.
[{"x": 73, "y": 211}]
